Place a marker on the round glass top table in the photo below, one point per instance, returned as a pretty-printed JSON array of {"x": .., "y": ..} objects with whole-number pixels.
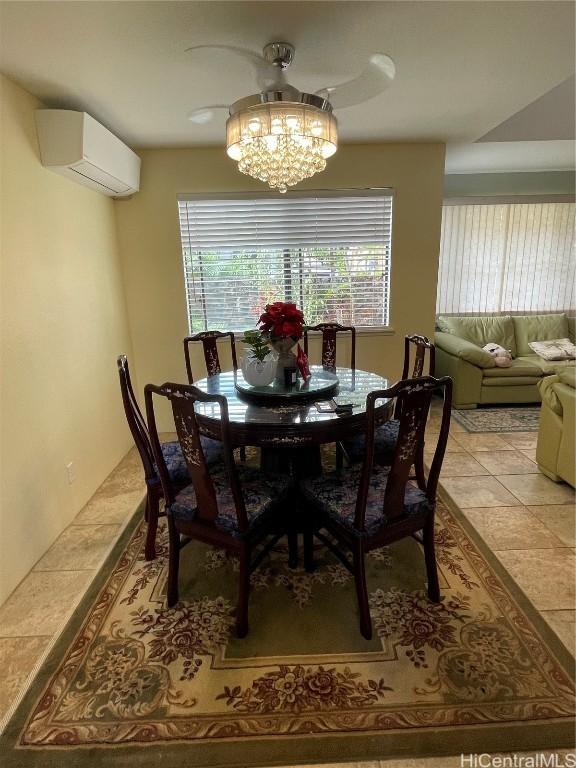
[{"x": 289, "y": 420}]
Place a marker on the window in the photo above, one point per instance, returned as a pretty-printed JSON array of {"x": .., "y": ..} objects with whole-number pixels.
[
  {"x": 328, "y": 254},
  {"x": 507, "y": 257}
]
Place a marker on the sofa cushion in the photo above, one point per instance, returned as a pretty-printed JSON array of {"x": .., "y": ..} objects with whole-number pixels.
[
  {"x": 510, "y": 381},
  {"x": 538, "y": 328},
  {"x": 519, "y": 367},
  {"x": 546, "y": 366},
  {"x": 482, "y": 330}
]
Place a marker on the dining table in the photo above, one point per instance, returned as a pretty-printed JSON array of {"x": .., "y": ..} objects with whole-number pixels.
[
  {"x": 280, "y": 416},
  {"x": 290, "y": 423}
]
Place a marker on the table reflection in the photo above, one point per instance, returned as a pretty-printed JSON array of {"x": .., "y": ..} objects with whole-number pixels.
[{"x": 353, "y": 382}]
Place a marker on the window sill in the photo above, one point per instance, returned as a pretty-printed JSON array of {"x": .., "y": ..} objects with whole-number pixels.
[{"x": 384, "y": 330}]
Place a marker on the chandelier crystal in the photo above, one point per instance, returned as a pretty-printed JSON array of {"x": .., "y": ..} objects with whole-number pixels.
[{"x": 281, "y": 142}]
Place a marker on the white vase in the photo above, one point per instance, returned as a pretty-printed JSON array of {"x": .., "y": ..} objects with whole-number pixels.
[
  {"x": 259, "y": 373},
  {"x": 286, "y": 358}
]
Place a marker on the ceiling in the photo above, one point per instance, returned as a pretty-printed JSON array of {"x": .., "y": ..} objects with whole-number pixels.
[{"x": 465, "y": 70}]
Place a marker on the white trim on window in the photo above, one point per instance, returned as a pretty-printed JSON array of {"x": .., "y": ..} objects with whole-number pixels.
[{"x": 329, "y": 252}]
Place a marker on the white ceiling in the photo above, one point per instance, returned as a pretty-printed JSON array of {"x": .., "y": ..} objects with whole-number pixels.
[{"x": 463, "y": 68}]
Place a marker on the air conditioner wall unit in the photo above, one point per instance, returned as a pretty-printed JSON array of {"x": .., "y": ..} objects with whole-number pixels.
[{"x": 75, "y": 145}]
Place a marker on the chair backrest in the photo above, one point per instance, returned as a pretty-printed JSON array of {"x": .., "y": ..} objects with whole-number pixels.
[
  {"x": 209, "y": 339},
  {"x": 420, "y": 344},
  {"x": 415, "y": 396},
  {"x": 136, "y": 421},
  {"x": 182, "y": 399},
  {"x": 329, "y": 332}
]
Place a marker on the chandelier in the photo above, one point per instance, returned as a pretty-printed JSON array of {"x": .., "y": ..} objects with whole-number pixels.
[{"x": 282, "y": 135}]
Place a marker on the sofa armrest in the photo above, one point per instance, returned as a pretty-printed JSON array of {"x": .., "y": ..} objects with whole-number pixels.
[
  {"x": 463, "y": 349},
  {"x": 547, "y": 389},
  {"x": 566, "y": 454},
  {"x": 467, "y": 378}
]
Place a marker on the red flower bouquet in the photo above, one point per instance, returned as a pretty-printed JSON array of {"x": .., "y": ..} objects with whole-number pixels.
[{"x": 282, "y": 320}]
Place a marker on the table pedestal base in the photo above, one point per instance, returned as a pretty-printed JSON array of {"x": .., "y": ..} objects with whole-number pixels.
[{"x": 300, "y": 462}]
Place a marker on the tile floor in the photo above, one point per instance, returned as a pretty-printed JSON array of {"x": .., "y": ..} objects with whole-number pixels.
[{"x": 526, "y": 519}]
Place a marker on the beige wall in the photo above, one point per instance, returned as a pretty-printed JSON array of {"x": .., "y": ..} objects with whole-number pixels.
[
  {"x": 151, "y": 253},
  {"x": 503, "y": 184},
  {"x": 63, "y": 320}
]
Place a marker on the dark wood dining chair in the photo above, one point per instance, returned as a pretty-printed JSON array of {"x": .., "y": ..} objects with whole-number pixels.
[
  {"x": 229, "y": 506},
  {"x": 416, "y": 348},
  {"x": 173, "y": 459},
  {"x": 329, "y": 333},
  {"x": 209, "y": 341},
  {"x": 370, "y": 506}
]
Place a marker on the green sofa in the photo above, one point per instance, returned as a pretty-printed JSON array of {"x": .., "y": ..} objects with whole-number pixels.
[
  {"x": 555, "y": 451},
  {"x": 477, "y": 379}
]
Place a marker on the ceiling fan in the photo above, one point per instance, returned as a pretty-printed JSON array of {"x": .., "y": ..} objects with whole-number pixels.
[
  {"x": 270, "y": 68},
  {"x": 282, "y": 135}
]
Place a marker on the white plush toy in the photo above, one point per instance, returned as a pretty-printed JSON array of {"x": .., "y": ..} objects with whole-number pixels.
[{"x": 502, "y": 357}]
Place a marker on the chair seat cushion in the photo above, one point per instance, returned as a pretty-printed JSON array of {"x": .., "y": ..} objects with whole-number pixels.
[
  {"x": 336, "y": 494},
  {"x": 385, "y": 438},
  {"x": 259, "y": 491},
  {"x": 176, "y": 464}
]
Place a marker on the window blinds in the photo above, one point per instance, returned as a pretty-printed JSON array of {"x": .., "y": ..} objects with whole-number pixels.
[
  {"x": 514, "y": 257},
  {"x": 328, "y": 254}
]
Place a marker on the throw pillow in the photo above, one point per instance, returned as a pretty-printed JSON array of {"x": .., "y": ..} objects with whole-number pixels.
[
  {"x": 502, "y": 357},
  {"x": 555, "y": 349}
]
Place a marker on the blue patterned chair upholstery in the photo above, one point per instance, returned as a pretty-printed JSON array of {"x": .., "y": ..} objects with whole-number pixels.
[
  {"x": 337, "y": 493},
  {"x": 385, "y": 438},
  {"x": 259, "y": 492},
  {"x": 176, "y": 465}
]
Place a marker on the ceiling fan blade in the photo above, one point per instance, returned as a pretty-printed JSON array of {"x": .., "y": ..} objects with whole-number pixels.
[
  {"x": 204, "y": 115},
  {"x": 266, "y": 73},
  {"x": 374, "y": 79}
]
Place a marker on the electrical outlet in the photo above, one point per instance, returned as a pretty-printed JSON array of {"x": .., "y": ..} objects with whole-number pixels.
[{"x": 71, "y": 473}]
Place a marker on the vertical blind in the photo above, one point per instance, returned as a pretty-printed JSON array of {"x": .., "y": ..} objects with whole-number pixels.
[
  {"x": 508, "y": 257},
  {"x": 328, "y": 254}
]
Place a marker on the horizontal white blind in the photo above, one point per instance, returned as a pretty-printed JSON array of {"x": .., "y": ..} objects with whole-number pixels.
[
  {"x": 329, "y": 255},
  {"x": 513, "y": 257}
]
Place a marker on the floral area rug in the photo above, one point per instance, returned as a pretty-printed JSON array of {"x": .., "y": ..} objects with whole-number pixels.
[
  {"x": 132, "y": 683},
  {"x": 520, "y": 418}
]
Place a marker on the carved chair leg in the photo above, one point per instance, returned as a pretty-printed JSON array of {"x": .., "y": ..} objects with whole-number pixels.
[
  {"x": 173, "y": 563},
  {"x": 243, "y": 593},
  {"x": 339, "y": 459},
  {"x": 362, "y": 591},
  {"x": 292, "y": 549},
  {"x": 151, "y": 516},
  {"x": 430, "y": 557},
  {"x": 308, "y": 539}
]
